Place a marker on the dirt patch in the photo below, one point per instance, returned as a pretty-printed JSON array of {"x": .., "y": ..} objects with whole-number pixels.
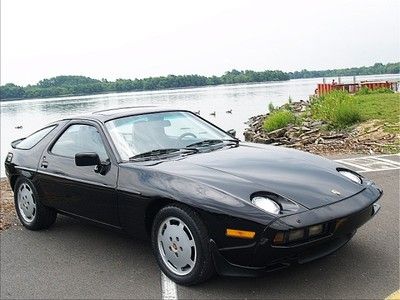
[{"x": 8, "y": 216}]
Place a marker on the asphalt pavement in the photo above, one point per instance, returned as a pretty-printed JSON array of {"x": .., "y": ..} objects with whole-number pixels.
[{"x": 74, "y": 259}]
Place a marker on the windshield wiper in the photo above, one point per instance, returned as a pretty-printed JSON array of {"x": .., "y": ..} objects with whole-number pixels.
[
  {"x": 158, "y": 152},
  {"x": 206, "y": 143}
]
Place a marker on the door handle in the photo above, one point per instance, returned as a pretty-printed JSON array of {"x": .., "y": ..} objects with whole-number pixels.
[{"x": 44, "y": 164}]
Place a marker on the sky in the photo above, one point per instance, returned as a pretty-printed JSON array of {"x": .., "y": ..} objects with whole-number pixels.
[{"x": 137, "y": 39}]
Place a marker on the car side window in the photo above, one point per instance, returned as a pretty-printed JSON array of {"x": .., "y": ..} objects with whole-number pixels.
[
  {"x": 34, "y": 138},
  {"x": 80, "y": 138}
]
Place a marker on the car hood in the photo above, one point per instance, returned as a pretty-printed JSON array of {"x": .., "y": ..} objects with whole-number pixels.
[{"x": 241, "y": 171}]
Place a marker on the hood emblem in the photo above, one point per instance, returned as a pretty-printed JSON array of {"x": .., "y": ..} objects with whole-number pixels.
[{"x": 336, "y": 192}]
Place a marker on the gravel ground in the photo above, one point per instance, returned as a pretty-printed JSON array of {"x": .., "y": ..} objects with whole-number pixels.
[{"x": 7, "y": 210}]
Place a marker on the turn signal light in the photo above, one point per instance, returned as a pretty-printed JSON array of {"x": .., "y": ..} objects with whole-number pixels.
[{"x": 243, "y": 234}]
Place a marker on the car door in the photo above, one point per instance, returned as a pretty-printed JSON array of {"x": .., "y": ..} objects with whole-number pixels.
[{"x": 81, "y": 191}]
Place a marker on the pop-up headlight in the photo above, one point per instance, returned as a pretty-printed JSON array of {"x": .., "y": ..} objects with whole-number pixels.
[
  {"x": 352, "y": 176},
  {"x": 266, "y": 204}
]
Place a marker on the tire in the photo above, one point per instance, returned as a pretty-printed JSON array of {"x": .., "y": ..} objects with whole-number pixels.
[
  {"x": 173, "y": 247},
  {"x": 31, "y": 212}
]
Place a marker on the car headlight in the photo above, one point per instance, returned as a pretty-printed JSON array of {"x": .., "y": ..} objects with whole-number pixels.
[
  {"x": 266, "y": 204},
  {"x": 351, "y": 176}
]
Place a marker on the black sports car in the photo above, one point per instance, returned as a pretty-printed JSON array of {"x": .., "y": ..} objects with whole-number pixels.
[{"x": 207, "y": 201}]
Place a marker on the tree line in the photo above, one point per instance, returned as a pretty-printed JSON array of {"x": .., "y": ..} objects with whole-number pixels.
[
  {"x": 378, "y": 68},
  {"x": 81, "y": 85}
]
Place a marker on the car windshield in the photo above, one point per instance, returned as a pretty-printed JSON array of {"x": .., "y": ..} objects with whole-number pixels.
[{"x": 136, "y": 136}]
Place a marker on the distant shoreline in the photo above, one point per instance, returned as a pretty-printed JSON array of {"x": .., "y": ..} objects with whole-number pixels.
[
  {"x": 67, "y": 96},
  {"x": 75, "y": 86},
  {"x": 143, "y": 91},
  {"x": 61, "y": 97}
]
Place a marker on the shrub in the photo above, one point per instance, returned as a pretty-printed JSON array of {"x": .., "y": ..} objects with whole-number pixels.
[
  {"x": 279, "y": 119},
  {"x": 346, "y": 115},
  {"x": 337, "y": 108}
]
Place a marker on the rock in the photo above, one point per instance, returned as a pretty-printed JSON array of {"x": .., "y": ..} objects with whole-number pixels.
[
  {"x": 294, "y": 140},
  {"x": 248, "y": 134},
  {"x": 291, "y": 134},
  {"x": 261, "y": 140},
  {"x": 317, "y": 123},
  {"x": 333, "y": 136},
  {"x": 319, "y": 140},
  {"x": 309, "y": 132},
  {"x": 277, "y": 133}
]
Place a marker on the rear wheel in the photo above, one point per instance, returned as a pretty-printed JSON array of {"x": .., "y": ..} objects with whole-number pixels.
[
  {"x": 32, "y": 214},
  {"x": 181, "y": 245}
]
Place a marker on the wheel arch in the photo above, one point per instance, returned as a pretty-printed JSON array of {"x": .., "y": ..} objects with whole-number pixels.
[
  {"x": 13, "y": 180},
  {"x": 157, "y": 205},
  {"x": 152, "y": 210}
]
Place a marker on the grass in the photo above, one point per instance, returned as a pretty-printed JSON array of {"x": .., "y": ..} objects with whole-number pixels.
[
  {"x": 383, "y": 107},
  {"x": 367, "y": 91},
  {"x": 279, "y": 119},
  {"x": 338, "y": 108},
  {"x": 342, "y": 110}
]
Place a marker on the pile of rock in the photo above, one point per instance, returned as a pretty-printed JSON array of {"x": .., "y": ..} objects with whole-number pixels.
[{"x": 314, "y": 136}]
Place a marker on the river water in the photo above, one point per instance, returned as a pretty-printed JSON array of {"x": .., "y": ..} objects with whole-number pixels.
[{"x": 245, "y": 100}]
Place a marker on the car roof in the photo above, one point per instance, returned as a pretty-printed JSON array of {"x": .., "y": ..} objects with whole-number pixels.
[{"x": 120, "y": 112}]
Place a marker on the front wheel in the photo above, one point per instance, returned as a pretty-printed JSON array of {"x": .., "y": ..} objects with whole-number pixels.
[
  {"x": 181, "y": 245},
  {"x": 31, "y": 212}
]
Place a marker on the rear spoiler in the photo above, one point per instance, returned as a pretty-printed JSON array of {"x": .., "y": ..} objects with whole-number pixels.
[{"x": 16, "y": 142}]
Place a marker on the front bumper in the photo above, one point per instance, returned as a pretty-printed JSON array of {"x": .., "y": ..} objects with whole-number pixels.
[{"x": 267, "y": 257}]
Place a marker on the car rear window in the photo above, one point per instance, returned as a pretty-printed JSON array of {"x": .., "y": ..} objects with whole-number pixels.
[{"x": 34, "y": 138}]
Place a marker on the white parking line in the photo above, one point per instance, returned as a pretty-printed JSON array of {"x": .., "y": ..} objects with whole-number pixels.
[
  {"x": 372, "y": 163},
  {"x": 168, "y": 288},
  {"x": 388, "y": 161},
  {"x": 343, "y": 161},
  {"x": 379, "y": 170},
  {"x": 384, "y": 155}
]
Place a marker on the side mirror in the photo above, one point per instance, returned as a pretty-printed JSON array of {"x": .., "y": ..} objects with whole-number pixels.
[
  {"x": 87, "y": 159},
  {"x": 232, "y": 132}
]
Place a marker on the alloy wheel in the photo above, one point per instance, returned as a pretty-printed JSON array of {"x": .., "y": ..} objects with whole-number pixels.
[
  {"x": 26, "y": 203},
  {"x": 176, "y": 246}
]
